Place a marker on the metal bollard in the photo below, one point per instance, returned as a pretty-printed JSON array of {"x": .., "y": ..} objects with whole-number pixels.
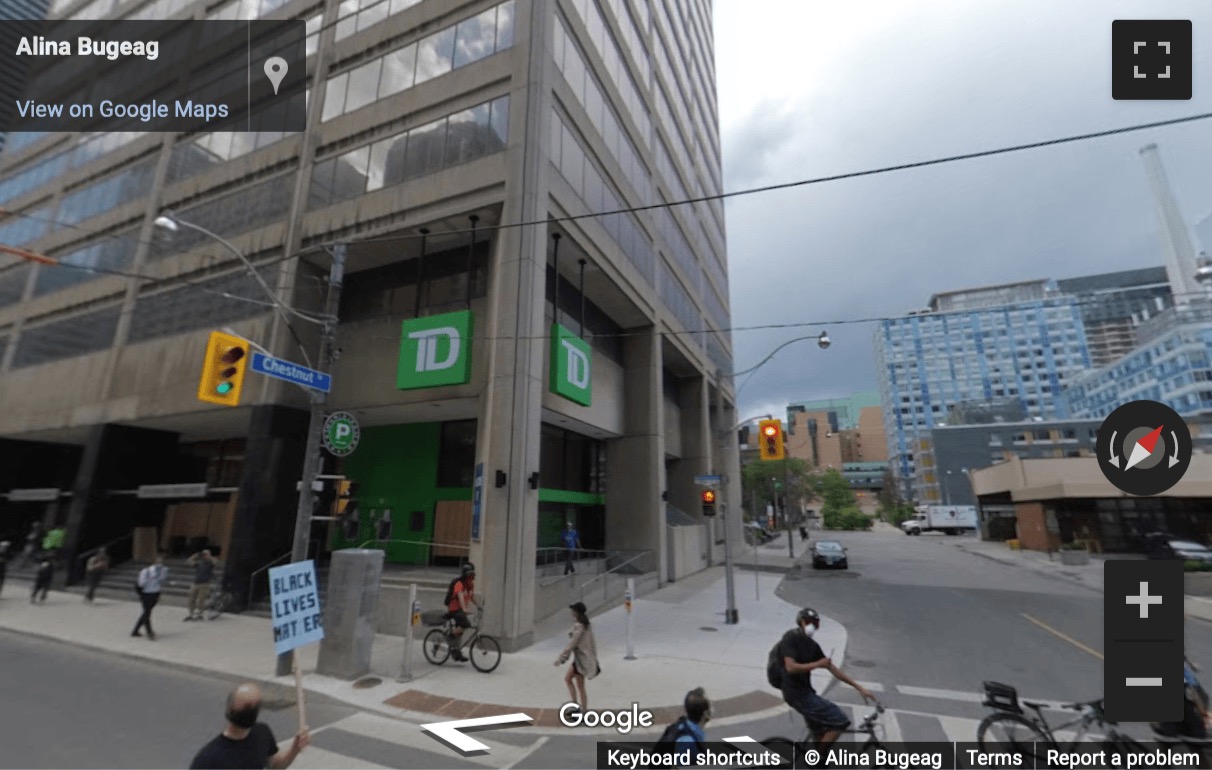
[
  {"x": 627, "y": 598},
  {"x": 413, "y": 622}
]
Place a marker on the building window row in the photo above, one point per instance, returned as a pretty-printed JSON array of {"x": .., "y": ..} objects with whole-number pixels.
[
  {"x": 66, "y": 338},
  {"x": 161, "y": 9},
  {"x": 86, "y": 263},
  {"x": 207, "y": 151},
  {"x": 211, "y": 302},
  {"x": 12, "y": 283},
  {"x": 718, "y": 353},
  {"x": 679, "y": 302},
  {"x": 355, "y": 16},
  {"x": 584, "y": 85},
  {"x": 444, "y": 143},
  {"x": 616, "y": 65},
  {"x": 579, "y": 169},
  {"x": 228, "y": 215},
  {"x": 95, "y": 198},
  {"x": 390, "y": 291},
  {"x": 247, "y": 10},
  {"x": 456, "y": 46},
  {"x": 631, "y": 36},
  {"x": 51, "y": 168},
  {"x": 23, "y": 227}
]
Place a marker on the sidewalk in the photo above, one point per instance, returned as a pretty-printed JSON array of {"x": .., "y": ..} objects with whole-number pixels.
[
  {"x": 1089, "y": 575},
  {"x": 773, "y": 556},
  {"x": 680, "y": 642}
]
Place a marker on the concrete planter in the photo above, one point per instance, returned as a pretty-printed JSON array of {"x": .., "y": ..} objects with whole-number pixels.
[
  {"x": 1197, "y": 583},
  {"x": 1074, "y": 558}
]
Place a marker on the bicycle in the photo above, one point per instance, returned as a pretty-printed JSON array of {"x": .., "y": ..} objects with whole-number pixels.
[
  {"x": 1009, "y": 727},
  {"x": 484, "y": 651},
  {"x": 869, "y": 726}
]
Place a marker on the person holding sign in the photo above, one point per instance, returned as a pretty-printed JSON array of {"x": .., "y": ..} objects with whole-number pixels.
[{"x": 246, "y": 743}]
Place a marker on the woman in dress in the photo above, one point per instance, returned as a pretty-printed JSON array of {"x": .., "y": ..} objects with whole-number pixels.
[{"x": 584, "y": 653}]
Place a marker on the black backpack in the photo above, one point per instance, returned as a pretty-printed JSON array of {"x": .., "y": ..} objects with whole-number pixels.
[
  {"x": 774, "y": 666},
  {"x": 450, "y": 592},
  {"x": 668, "y": 740}
]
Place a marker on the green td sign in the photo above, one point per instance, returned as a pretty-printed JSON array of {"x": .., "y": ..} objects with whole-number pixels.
[
  {"x": 571, "y": 375},
  {"x": 435, "y": 351}
]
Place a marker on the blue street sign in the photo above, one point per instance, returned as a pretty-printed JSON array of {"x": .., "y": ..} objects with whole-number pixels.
[
  {"x": 477, "y": 502},
  {"x": 285, "y": 370}
]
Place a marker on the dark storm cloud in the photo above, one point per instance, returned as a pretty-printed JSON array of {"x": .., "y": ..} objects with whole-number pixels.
[{"x": 930, "y": 81}]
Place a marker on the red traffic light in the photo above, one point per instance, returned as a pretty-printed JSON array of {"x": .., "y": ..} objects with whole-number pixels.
[{"x": 708, "y": 496}]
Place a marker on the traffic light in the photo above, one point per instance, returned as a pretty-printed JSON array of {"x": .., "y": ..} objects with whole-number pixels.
[
  {"x": 708, "y": 496},
  {"x": 223, "y": 369},
  {"x": 770, "y": 440},
  {"x": 345, "y": 502},
  {"x": 326, "y": 500}
]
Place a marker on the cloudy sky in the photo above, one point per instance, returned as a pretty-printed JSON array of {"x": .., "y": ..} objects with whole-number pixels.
[{"x": 810, "y": 88}]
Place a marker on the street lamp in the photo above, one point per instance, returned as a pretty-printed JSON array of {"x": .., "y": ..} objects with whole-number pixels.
[{"x": 311, "y": 458}]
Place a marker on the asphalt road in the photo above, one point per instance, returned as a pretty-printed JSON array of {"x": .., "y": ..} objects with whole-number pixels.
[{"x": 927, "y": 623}]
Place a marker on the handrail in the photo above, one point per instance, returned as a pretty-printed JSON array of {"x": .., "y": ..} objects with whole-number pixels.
[
  {"x": 252, "y": 579},
  {"x": 376, "y": 541},
  {"x": 107, "y": 544},
  {"x": 640, "y": 555},
  {"x": 553, "y": 580}
]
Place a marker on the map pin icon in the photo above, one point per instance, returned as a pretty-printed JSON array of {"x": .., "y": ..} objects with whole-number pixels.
[{"x": 275, "y": 70}]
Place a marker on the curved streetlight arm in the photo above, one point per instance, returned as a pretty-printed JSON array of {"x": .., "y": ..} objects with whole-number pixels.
[{"x": 724, "y": 433}]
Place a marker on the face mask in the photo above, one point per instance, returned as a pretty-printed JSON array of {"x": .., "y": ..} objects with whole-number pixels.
[
  {"x": 809, "y": 630},
  {"x": 245, "y": 718}
]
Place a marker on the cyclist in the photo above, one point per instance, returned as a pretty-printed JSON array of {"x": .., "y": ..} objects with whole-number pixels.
[
  {"x": 801, "y": 656},
  {"x": 462, "y": 594}
]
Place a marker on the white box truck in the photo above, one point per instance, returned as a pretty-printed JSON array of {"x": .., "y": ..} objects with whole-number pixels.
[{"x": 948, "y": 519}]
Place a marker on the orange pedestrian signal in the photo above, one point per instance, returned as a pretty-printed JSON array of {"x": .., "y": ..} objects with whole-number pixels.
[
  {"x": 708, "y": 497},
  {"x": 770, "y": 442}
]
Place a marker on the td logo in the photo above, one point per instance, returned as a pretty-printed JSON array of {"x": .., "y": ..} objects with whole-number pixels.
[
  {"x": 435, "y": 351},
  {"x": 571, "y": 359}
]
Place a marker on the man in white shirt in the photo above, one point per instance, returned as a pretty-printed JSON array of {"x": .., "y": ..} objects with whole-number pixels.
[{"x": 151, "y": 580}]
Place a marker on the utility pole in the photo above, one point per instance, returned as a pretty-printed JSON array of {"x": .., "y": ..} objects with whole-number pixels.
[
  {"x": 731, "y": 616},
  {"x": 787, "y": 512},
  {"x": 311, "y": 457}
]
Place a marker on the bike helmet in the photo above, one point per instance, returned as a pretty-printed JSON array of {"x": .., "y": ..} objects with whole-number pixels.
[
  {"x": 809, "y": 615},
  {"x": 469, "y": 569}
]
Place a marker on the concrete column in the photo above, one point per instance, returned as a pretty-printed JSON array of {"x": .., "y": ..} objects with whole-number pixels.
[
  {"x": 510, "y": 413},
  {"x": 264, "y": 522},
  {"x": 351, "y": 613},
  {"x": 115, "y": 457},
  {"x": 635, "y": 463},
  {"x": 696, "y": 447}
]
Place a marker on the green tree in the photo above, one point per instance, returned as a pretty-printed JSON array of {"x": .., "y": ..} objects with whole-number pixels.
[
  {"x": 762, "y": 482},
  {"x": 835, "y": 492}
]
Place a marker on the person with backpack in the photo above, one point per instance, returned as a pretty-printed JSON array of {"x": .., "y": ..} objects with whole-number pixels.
[
  {"x": 790, "y": 668},
  {"x": 584, "y": 653},
  {"x": 688, "y": 732},
  {"x": 459, "y": 596}
]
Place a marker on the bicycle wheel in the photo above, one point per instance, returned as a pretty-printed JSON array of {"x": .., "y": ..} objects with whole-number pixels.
[
  {"x": 436, "y": 648},
  {"x": 485, "y": 653},
  {"x": 218, "y": 604},
  {"x": 1011, "y": 732},
  {"x": 785, "y": 748}
]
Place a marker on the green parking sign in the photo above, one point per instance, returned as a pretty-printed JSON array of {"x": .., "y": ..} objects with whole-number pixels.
[{"x": 341, "y": 433}]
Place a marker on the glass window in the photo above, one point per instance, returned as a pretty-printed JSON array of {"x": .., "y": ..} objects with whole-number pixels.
[
  {"x": 500, "y": 124},
  {"x": 426, "y": 146},
  {"x": 399, "y": 70},
  {"x": 363, "y": 85},
  {"x": 376, "y": 173},
  {"x": 321, "y": 192},
  {"x": 435, "y": 55},
  {"x": 466, "y": 135},
  {"x": 475, "y": 38},
  {"x": 66, "y": 338},
  {"x": 334, "y": 96},
  {"x": 505, "y": 25}
]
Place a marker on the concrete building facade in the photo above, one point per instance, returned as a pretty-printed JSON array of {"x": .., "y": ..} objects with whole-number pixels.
[{"x": 433, "y": 130}]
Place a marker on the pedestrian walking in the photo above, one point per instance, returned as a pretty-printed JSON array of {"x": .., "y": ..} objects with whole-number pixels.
[
  {"x": 572, "y": 541},
  {"x": 584, "y": 653},
  {"x": 803, "y": 533},
  {"x": 31, "y": 544},
  {"x": 204, "y": 572},
  {"x": 245, "y": 742},
  {"x": 42, "y": 580},
  {"x": 94, "y": 570},
  {"x": 3, "y": 563},
  {"x": 151, "y": 580}
]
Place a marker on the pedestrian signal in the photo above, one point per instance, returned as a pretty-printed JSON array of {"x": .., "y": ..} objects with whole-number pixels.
[
  {"x": 223, "y": 368},
  {"x": 345, "y": 502},
  {"x": 708, "y": 496},
  {"x": 770, "y": 440}
]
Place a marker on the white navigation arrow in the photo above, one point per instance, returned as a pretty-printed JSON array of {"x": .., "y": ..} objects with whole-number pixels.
[
  {"x": 1174, "y": 457},
  {"x": 1139, "y": 455},
  {"x": 1114, "y": 457},
  {"x": 448, "y": 732}
]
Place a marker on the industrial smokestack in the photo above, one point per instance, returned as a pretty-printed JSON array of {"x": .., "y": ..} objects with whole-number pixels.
[{"x": 1175, "y": 238}]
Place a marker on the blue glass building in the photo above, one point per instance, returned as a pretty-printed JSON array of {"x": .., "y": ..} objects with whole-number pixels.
[{"x": 1022, "y": 342}]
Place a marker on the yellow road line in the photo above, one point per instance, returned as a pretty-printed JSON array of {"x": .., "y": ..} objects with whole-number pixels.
[{"x": 1066, "y": 637}]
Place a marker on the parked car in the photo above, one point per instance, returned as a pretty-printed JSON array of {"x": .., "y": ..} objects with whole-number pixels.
[
  {"x": 1162, "y": 546},
  {"x": 828, "y": 553}
]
